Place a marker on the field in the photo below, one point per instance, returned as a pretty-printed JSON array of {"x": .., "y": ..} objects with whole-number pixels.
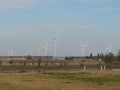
[
  {"x": 61, "y": 80},
  {"x": 59, "y": 75}
]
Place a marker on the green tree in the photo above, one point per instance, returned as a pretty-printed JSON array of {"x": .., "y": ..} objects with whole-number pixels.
[
  {"x": 39, "y": 62},
  {"x": 11, "y": 62},
  {"x": 0, "y": 63},
  {"x": 108, "y": 58},
  {"x": 24, "y": 64},
  {"x": 118, "y": 56}
]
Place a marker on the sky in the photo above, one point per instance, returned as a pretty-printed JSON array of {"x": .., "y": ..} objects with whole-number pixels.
[{"x": 26, "y": 24}]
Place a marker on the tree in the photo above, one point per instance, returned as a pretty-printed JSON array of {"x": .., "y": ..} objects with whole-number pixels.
[
  {"x": 11, "y": 61},
  {"x": 0, "y": 63},
  {"x": 91, "y": 55},
  {"x": 100, "y": 56},
  {"x": 24, "y": 64},
  {"x": 118, "y": 56},
  {"x": 29, "y": 57},
  {"x": 39, "y": 62},
  {"x": 109, "y": 58}
]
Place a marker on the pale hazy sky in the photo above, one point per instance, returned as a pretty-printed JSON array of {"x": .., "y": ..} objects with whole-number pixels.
[{"x": 25, "y": 24}]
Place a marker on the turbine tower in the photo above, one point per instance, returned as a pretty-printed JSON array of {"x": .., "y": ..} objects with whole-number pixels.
[
  {"x": 10, "y": 52},
  {"x": 110, "y": 48},
  {"x": 55, "y": 45},
  {"x": 83, "y": 46},
  {"x": 39, "y": 51},
  {"x": 45, "y": 47}
]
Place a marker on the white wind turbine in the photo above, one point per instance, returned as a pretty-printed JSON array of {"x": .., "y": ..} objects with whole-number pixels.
[
  {"x": 83, "y": 46},
  {"x": 10, "y": 52},
  {"x": 39, "y": 51},
  {"x": 110, "y": 48},
  {"x": 55, "y": 45},
  {"x": 45, "y": 47}
]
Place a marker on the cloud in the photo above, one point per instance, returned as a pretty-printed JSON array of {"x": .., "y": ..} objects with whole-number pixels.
[
  {"x": 74, "y": 17},
  {"x": 20, "y": 4},
  {"x": 7, "y": 32},
  {"x": 106, "y": 9},
  {"x": 94, "y": 1},
  {"x": 61, "y": 27},
  {"x": 51, "y": 27}
]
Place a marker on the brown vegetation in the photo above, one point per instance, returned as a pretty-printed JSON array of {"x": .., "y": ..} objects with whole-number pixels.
[{"x": 60, "y": 80}]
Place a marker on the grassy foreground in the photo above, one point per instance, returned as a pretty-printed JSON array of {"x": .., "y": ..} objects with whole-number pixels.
[{"x": 62, "y": 80}]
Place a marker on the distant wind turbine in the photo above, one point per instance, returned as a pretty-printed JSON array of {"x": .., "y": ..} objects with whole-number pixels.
[
  {"x": 55, "y": 45},
  {"x": 10, "y": 52},
  {"x": 109, "y": 48},
  {"x": 45, "y": 47},
  {"x": 39, "y": 51},
  {"x": 83, "y": 46}
]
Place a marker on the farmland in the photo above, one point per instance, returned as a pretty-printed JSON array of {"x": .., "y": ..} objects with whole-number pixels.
[
  {"x": 61, "y": 80},
  {"x": 59, "y": 75}
]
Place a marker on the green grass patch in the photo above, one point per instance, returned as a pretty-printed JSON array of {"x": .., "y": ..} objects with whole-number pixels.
[
  {"x": 28, "y": 80},
  {"x": 5, "y": 84},
  {"x": 85, "y": 77},
  {"x": 97, "y": 80},
  {"x": 65, "y": 73}
]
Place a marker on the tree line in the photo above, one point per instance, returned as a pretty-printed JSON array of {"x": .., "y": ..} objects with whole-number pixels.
[{"x": 111, "y": 57}]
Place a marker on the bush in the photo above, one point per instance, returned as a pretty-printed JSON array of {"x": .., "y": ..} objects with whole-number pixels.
[{"x": 109, "y": 58}]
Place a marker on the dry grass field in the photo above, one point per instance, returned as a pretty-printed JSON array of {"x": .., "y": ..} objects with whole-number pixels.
[{"x": 61, "y": 80}]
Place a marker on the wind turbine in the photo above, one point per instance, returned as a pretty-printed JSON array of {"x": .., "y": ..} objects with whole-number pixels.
[
  {"x": 83, "y": 46},
  {"x": 110, "y": 48},
  {"x": 10, "y": 52},
  {"x": 55, "y": 45},
  {"x": 39, "y": 51},
  {"x": 45, "y": 47}
]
